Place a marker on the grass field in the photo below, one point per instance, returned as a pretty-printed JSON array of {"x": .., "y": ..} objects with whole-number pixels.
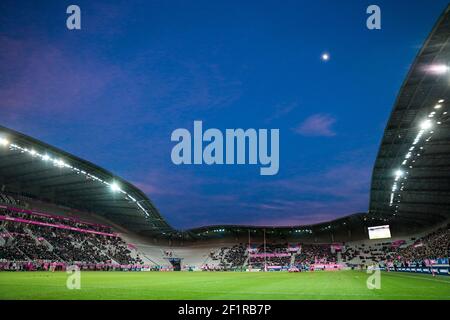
[{"x": 221, "y": 285}]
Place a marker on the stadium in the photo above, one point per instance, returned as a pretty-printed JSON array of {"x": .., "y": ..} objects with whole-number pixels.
[{"x": 58, "y": 211}]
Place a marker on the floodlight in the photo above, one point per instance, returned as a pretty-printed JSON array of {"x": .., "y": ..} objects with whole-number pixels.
[
  {"x": 426, "y": 125},
  {"x": 4, "y": 142},
  {"x": 115, "y": 187},
  {"x": 438, "y": 68}
]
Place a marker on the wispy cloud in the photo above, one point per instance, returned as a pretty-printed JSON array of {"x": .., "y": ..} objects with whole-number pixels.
[
  {"x": 46, "y": 79},
  {"x": 192, "y": 200},
  {"x": 319, "y": 125},
  {"x": 282, "y": 110},
  {"x": 343, "y": 180}
]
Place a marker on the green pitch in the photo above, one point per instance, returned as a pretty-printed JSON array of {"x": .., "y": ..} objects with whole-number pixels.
[{"x": 221, "y": 285}]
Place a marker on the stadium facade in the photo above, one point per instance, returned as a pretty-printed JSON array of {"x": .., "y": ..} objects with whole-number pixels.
[{"x": 410, "y": 187}]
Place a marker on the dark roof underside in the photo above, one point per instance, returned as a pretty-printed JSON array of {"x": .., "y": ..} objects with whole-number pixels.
[
  {"x": 421, "y": 194},
  {"x": 24, "y": 174}
]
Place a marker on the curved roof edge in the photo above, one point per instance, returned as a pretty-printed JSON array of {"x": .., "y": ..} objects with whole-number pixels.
[
  {"x": 34, "y": 168},
  {"x": 409, "y": 181}
]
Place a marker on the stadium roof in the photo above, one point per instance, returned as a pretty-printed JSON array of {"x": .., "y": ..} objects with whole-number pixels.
[
  {"x": 35, "y": 169},
  {"x": 411, "y": 177}
]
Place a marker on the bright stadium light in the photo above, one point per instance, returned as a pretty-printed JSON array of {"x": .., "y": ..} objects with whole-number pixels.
[
  {"x": 438, "y": 106},
  {"x": 325, "y": 57},
  {"x": 438, "y": 68},
  {"x": 441, "y": 101},
  {"x": 4, "y": 142},
  {"x": 58, "y": 162},
  {"x": 61, "y": 164},
  {"x": 115, "y": 187},
  {"x": 426, "y": 125},
  {"x": 398, "y": 173}
]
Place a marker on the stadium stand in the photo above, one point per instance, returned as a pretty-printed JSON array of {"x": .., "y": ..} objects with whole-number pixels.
[
  {"x": 33, "y": 239},
  {"x": 30, "y": 236},
  {"x": 229, "y": 258},
  {"x": 422, "y": 250}
]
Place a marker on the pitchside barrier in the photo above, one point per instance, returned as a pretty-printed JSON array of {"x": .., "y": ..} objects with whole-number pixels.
[
  {"x": 313, "y": 267},
  {"x": 437, "y": 269}
]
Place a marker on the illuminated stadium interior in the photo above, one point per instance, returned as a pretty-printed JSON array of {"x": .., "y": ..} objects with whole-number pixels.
[{"x": 44, "y": 187}]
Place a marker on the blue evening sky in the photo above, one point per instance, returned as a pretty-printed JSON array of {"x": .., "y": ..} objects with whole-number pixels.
[{"x": 113, "y": 92}]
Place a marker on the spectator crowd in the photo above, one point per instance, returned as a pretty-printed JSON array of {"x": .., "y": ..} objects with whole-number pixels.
[{"x": 20, "y": 241}]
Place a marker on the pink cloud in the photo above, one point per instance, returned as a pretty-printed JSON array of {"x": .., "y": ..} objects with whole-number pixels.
[
  {"x": 289, "y": 221},
  {"x": 319, "y": 125},
  {"x": 303, "y": 212},
  {"x": 282, "y": 110},
  {"x": 45, "y": 78},
  {"x": 344, "y": 180},
  {"x": 298, "y": 200}
]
